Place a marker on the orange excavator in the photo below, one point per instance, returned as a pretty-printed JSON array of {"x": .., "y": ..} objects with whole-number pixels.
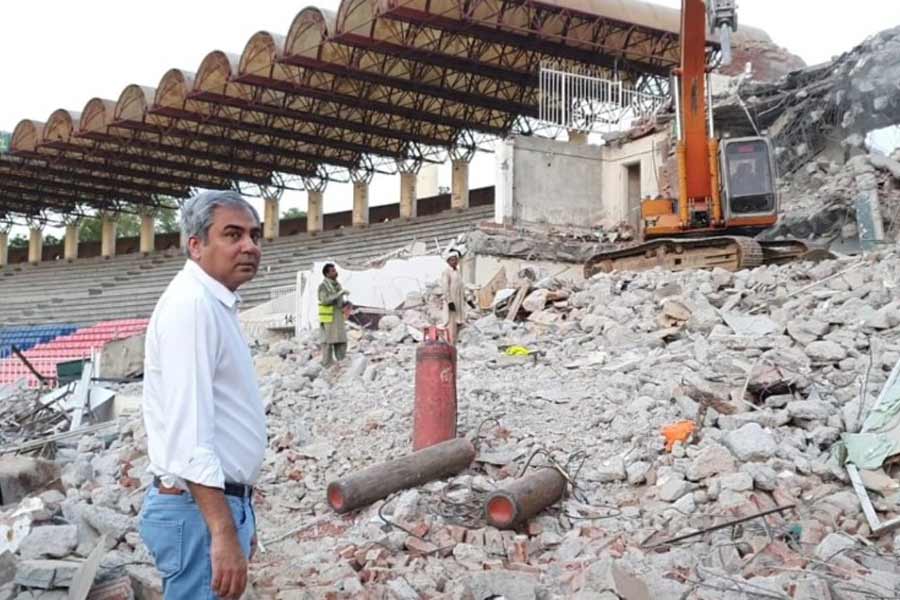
[{"x": 727, "y": 190}]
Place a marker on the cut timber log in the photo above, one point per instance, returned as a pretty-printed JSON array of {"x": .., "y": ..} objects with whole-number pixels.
[
  {"x": 379, "y": 481},
  {"x": 524, "y": 498}
]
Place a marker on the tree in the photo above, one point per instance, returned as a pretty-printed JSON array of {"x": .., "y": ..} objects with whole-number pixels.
[
  {"x": 167, "y": 221},
  {"x": 127, "y": 225},
  {"x": 293, "y": 213},
  {"x": 18, "y": 241}
]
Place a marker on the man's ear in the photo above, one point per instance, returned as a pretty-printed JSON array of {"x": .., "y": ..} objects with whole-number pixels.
[{"x": 194, "y": 244}]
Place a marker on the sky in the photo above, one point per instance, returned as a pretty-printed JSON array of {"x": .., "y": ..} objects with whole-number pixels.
[{"x": 61, "y": 54}]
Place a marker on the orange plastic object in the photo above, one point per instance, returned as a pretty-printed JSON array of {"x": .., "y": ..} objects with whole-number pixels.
[{"x": 678, "y": 432}]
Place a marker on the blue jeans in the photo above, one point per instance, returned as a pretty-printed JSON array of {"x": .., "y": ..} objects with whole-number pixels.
[{"x": 175, "y": 533}]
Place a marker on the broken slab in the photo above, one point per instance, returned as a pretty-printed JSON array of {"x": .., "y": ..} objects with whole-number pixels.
[{"x": 46, "y": 574}]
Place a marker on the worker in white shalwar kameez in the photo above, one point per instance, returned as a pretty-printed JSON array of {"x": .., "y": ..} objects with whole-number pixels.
[{"x": 454, "y": 293}]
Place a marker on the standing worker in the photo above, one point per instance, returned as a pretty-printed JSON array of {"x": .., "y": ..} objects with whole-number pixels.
[
  {"x": 205, "y": 421},
  {"x": 454, "y": 292},
  {"x": 331, "y": 317}
]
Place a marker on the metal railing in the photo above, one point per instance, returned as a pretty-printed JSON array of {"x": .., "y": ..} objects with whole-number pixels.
[
  {"x": 581, "y": 101},
  {"x": 281, "y": 290}
]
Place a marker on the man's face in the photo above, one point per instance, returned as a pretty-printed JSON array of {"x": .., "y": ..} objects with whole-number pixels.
[
  {"x": 332, "y": 273},
  {"x": 232, "y": 252}
]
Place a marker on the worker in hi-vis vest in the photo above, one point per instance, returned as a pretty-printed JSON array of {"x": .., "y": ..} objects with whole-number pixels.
[{"x": 331, "y": 317}]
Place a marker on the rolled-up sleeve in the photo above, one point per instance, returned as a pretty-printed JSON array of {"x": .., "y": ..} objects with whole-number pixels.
[{"x": 188, "y": 347}]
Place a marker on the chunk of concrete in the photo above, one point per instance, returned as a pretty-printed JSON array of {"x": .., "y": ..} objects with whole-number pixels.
[
  {"x": 50, "y": 541},
  {"x": 510, "y": 585},
  {"x": 711, "y": 460},
  {"x": 21, "y": 476},
  {"x": 826, "y": 351},
  {"x": 108, "y": 522},
  {"x": 123, "y": 358},
  {"x": 46, "y": 574},
  {"x": 7, "y": 568},
  {"x": 751, "y": 443}
]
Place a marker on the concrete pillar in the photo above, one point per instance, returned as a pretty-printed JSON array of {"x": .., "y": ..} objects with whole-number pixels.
[
  {"x": 427, "y": 181},
  {"x": 360, "y": 203},
  {"x": 408, "y": 204},
  {"x": 315, "y": 218},
  {"x": 107, "y": 235},
  {"x": 70, "y": 245},
  {"x": 579, "y": 138},
  {"x": 271, "y": 218},
  {"x": 4, "y": 247},
  {"x": 35, "y": 244},
  {"x": 459, "y": 184},
  {"x": 148, "y": 233}
]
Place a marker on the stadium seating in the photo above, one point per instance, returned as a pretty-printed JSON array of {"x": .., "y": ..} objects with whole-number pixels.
[
  {"x": 73, "y": 345},
  {"x": 26, "y": 337},
  {"x": 128, "y": 286}
]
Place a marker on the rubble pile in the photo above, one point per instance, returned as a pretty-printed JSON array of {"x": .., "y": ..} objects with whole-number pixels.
[
  {"x": 768, "y": 61},
  {"x": 818, "y": 119},
  {"x": 768, "y": 368}
]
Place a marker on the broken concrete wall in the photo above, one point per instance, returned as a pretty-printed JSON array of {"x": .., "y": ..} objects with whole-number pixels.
[
  {"x": 541, "y": 181},
  {"x": 622, "y": 191},
  {"x": 123, "y": 358},
  {"x": 559, "y": 184}
]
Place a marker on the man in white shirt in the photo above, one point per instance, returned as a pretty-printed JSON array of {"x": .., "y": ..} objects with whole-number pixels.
[{"x": 206, "y": 427}]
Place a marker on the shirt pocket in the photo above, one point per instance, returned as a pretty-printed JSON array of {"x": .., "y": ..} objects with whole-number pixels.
[{"x": 163, "y": 539}]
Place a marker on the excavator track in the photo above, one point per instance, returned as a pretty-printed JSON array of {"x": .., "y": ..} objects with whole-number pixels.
[{"x": 731, "y": 253}]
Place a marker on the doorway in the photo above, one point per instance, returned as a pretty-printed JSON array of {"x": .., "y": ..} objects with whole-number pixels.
[{"x": 633, "y": 194}]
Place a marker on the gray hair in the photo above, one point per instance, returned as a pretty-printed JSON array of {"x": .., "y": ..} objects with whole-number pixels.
[{"x": 197, "y": 213}]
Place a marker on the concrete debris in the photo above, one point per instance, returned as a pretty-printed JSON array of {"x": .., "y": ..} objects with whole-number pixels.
[
  {"x": 50, "y": 541},
  {"x": 769, "y": 401}
]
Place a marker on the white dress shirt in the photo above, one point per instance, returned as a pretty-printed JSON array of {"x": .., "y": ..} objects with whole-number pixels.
[{"x": 204, "y": 416}]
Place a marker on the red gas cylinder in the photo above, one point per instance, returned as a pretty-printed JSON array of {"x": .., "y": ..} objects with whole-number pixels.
[{"x": 434, "y": 413}]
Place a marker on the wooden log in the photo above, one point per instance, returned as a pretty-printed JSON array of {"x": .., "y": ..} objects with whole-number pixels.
[
  {"x": 379, "y": 481},
  {"x": 524, "y": 498}
]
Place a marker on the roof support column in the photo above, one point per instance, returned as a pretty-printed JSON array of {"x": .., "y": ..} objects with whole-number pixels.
[
  {"x": 70, "y": 244},
  {"x": 461, "y": 156},
  {"x": 108, "y": 222},
  {"x": 315, "y": 204},
  {"x": 148, "y": 232},
  {"x": 361, "y": 179},
  {"x": 409, "y": 169},
  {"x": 271, "y": 215},
  {"x": 35, "y": 243},
  {"x": 4, "y": 245}
]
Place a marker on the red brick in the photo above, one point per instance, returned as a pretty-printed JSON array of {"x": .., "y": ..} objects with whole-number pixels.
[{"x": 419, "y": 547}]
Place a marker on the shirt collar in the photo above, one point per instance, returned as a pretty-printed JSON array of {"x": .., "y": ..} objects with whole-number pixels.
[{"x": 222, "y": 293}]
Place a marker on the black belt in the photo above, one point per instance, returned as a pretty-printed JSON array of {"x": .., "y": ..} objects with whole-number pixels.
[{"x": 231, "y": 489}]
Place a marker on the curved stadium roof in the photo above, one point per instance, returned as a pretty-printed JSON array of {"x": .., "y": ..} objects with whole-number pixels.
[{"x": 379, "y": 78}]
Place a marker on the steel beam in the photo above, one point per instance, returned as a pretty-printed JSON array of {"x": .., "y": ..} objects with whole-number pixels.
[
  {"x": 415, "y": 87},
  {"x": 285, "y": 134},
  {"x": 138, "y": 140},
  {"x": 240, "y": 144},
  {"x": 316, "y": 118},
  {"x": 298, "y": 89}
]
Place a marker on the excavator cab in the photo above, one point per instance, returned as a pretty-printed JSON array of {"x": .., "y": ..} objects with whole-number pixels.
[{"x": 749, "y": 183}]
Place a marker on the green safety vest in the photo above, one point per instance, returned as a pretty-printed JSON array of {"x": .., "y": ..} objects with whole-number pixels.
[{"x": 326, "y": 313}]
